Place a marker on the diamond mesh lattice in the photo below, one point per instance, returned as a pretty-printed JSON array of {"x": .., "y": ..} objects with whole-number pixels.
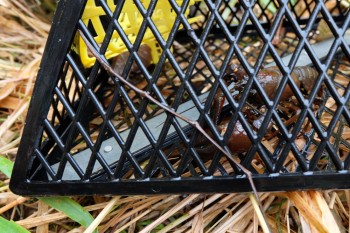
[{"x": 268, "y": 82}]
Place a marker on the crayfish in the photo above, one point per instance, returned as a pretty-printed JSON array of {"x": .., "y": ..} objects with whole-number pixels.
[{"x": 269, "y": 78}]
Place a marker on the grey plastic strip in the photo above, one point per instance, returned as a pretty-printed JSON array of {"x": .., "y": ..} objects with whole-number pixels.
[{"x": 110, "y": 150}]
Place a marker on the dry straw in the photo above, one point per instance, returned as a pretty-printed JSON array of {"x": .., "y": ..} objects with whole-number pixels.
[{"x": 23, "y": 31}]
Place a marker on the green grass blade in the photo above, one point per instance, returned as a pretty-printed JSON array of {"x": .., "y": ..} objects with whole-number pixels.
[
  {"x": 11, "y": 226},
  {"x": 71, "y": 208},
  {"x": 270, "y": 6},
  {"x": 6, "y": 166}
]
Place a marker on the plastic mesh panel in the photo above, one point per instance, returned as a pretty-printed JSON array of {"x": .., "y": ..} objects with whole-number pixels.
[{"x": 269, "y": 83}]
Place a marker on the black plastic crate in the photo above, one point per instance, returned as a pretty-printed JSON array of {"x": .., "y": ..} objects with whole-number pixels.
[{"x": 89, "y": 132}]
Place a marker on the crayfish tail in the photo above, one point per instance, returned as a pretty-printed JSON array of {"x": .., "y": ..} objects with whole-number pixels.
[{"x": 306, "y": 76}]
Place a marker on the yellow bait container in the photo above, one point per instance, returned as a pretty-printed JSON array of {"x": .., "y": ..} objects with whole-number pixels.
[{"x": 130, "y": 19}]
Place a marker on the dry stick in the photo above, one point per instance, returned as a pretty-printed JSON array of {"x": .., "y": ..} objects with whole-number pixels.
[
  {"x": 347, "y": 195},
  {"x": 141, "y": 215},
  {"x": 258, "y": 212},
  {"x": 3, "y": 188},
  {"x": 12, "y": 118},
  {"x": 42, "y": 211},
  {"x": 31, "y": 222},
  {"x": 150, "y": 205},
  {"x": 266, "y": 205},
  {"x": 12, "y": 204},
  {"x": 169, "y": 213},
  {"x": 10, "y": 145},
  {"x": 341, "y": 206},
  {"x": 229, "y": 212},
  {"x": 195, "y": 124},
  {"x": 190, "y": 213},
  {"x": 231, "y": 218},
  {"x": 102, "y": 215}
]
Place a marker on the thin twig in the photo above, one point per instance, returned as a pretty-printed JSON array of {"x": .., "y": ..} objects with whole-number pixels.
[
  {"x": 12, "y": 204},
  {"x": 258, "y": 211},
  {"x": 13, "y": 117},
  {"x": 194, "y": 124},
  {"x": 102, "y": 215},
  {"x": 169, "y": 213},
  {"x": 148, "y": 207}
]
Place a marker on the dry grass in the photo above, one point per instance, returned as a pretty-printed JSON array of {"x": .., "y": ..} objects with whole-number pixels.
[{"x": 23, "y": 32}]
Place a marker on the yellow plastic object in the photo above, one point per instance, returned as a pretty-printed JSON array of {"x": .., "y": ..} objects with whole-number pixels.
[{"x": 130, "y": 19}]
